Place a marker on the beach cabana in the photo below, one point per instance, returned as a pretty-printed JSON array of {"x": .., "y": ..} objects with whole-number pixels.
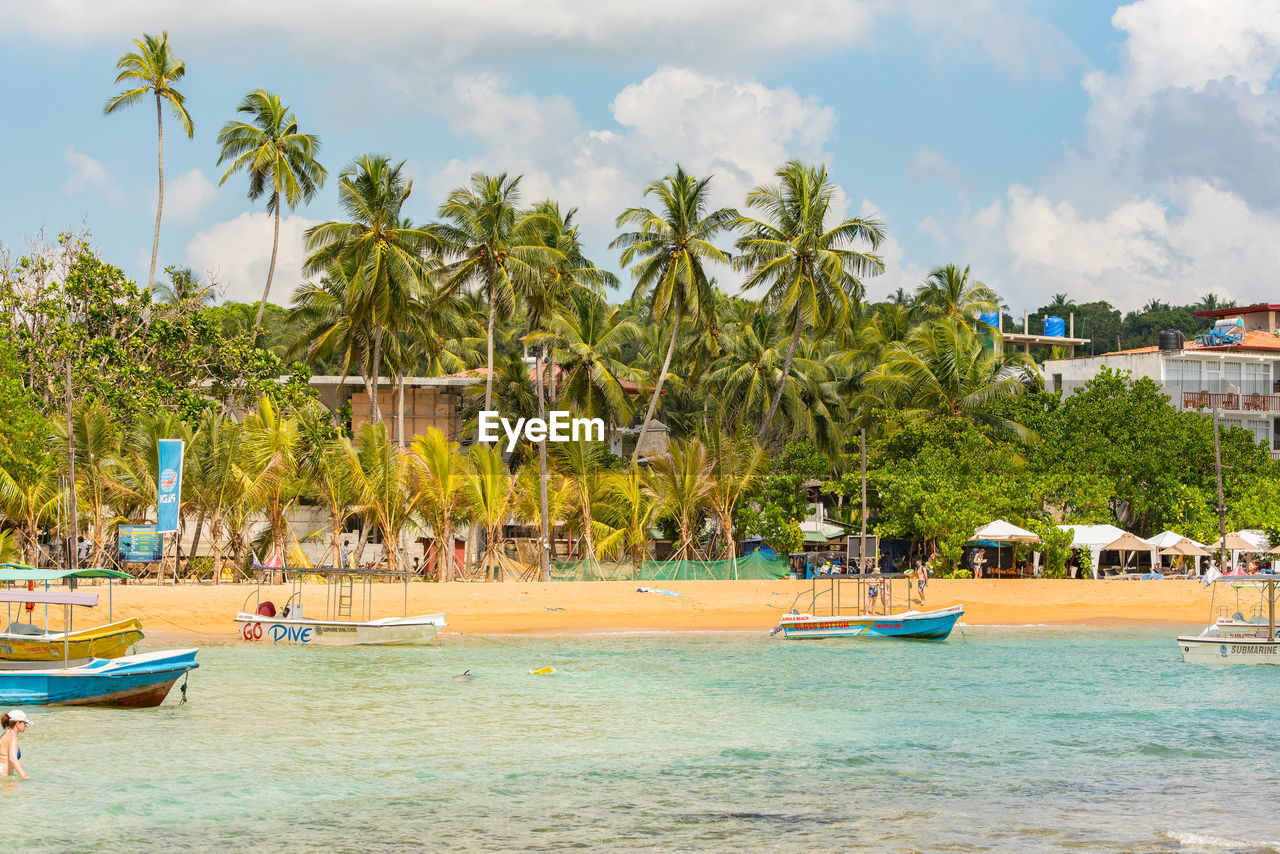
[
  {"x": 1001, "y": 532},
  {"x": 1167, "y": 541},
  {"x": 1129, "y": 544},
  {"x": 1237, "y": 542},
  {"x": 1095, "y": 539}
]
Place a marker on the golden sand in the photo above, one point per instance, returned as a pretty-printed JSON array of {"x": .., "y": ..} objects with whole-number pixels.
[{"x": 607, "y": 606}]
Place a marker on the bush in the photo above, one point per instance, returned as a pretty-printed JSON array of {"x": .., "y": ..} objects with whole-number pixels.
[{"x": 962, "y": 573}]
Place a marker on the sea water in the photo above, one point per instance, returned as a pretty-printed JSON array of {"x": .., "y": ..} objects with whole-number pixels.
[{"x": 997, "y": 740}]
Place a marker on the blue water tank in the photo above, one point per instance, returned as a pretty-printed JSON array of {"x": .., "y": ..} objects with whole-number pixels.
[
  {"x": 990, "y": 318},
  {"x": 1054, "y": 327}
]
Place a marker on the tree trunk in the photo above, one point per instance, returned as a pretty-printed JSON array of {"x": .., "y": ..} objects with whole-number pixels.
[
  {"x": 335, "y": 540},
  {"x": 400, "y": 408},
  {"x": 444, "y": 554},
  {"x": 371, "y": 383},
  {"x": 488, "y": 382},
  {"x": 786, "y": 371},
  {"x": 662, "y": 378},
  {"x": 155, "y": 240},
  {"x": 271, "y": 268},
  {"x": 195, "y": 540},
  {"x": 544, "y": 540},
  {"x": 215, "y": 532},
  {"x": 358, "y": 555}
]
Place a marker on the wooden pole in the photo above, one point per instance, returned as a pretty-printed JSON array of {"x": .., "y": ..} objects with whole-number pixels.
[
  {"x": 1222, "y": 507},
  {"x": 862, "y": 546}
]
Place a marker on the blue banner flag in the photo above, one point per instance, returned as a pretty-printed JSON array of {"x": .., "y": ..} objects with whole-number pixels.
[{"x": 169, "y": 484}]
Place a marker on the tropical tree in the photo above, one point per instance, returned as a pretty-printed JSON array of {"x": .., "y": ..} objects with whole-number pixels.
[
  {"x": 215, "y": 484},
  {"x": 489, "y": 490},
  {"x": 271, "y": 446},
  {"x": 628, "y": 510},
  {"x": 810, "y": 266},
  {"x": 666, "y": 252},
  {"x": 184, "y": 289},
  {"x": 384, "y": 258},
  {"x": 97, "y": 455},
  {"x": 682, "y": 482},
  {"x": 153, "y": 69},
  {"x": 325, "y": 461},
  {"x": 944, "y": 369},
  {"x": 30, "y": 495},
  {"x": 591, "y": 338},
  {"x": 381, "y": 471},
  {"x": 737, "y": 465},
  {"x": 439, "y": 470},
  {"x": 280, "y": 160},
  {"x": 493, "y": 246},
  {"x": 947, "y": 292},
  {"x": 584, "y": 465}
]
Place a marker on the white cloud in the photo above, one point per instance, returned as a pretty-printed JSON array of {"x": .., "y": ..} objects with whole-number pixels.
[
  {"x": 441, "y": 33},
  {"x": 236, "y": 254},
  {"x": 88, "y": 175},
  {"x": 186, "y": 196},
  {"x": 928, "y": 165}
]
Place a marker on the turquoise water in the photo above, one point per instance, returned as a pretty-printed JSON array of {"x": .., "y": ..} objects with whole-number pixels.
[{"x": 1000, "y": 739}]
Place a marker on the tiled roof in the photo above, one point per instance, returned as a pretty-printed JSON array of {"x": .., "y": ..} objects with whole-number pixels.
[{"x": 1254, "y": 340}]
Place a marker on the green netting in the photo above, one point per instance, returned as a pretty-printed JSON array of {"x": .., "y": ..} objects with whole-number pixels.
[{"x": 753, "y": 566}]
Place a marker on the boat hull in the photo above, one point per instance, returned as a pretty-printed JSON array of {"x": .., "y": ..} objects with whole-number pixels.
[
  {"x": 392, "y": 631},
  {"x": 916, "y": 625},
  {"x": 1205, "y": 649},
  {"x": 134, "y": 681},
  {"x": 110, "y": 641}
]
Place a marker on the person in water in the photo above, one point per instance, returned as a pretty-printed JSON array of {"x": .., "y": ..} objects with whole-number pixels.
[{"x": 11, "y": 726}]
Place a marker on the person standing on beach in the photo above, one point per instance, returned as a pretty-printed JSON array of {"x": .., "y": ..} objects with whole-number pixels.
[
  {"x": 344, "y": 554},
  {"x": 979, "y": 561},
  {"x": 11, "y": 726},
  {"x": 922, "y": 578}
]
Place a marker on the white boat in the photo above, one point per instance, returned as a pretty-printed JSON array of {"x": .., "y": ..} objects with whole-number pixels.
[
  {"x": 1235, "y": 639},
  {"x": 342, "y": 624}
]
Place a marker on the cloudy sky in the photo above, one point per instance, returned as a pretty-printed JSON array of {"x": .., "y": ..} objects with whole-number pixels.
[{"x": 1121, "y": 152}]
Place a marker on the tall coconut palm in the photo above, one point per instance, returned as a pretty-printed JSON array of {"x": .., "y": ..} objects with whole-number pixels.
[
  {"x": 944, "y": 369},
  {"x": 948, "y": 292},
  {"x": 153, "y": 69},
  {"x": 271, "y": 447},
  {"x": 381, "y": 472},
  {"x": 584, "y": 465},
  {"x": 682, "y": 481},
  {"x": 494, "y": 246},
  {"x": 214, "y": 482},
  {"x": 439, "y": 469},
  {"x": 280, "y": 160},
  {"x": 666, "y": 252},
  {"x": 325, "y": 468},
  {"x": 384, "y": 257},
  {"x": 810, "y": 265},
  {"x": 591, "y": 337}
]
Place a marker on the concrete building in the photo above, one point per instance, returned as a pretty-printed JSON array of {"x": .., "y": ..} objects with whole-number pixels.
[{"x": 1237, "y": 373}]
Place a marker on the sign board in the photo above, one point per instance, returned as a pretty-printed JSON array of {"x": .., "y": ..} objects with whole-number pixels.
[
  {"x": 140, "y": 544},
  {"x": 855, "y": 545}
]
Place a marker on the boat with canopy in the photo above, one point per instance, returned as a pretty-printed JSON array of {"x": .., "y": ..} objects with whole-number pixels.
[
  {"x": 347, "y": 620},
  {"x": 133, "y": 681},
  {"x": 842, "y": 605},
  {"x": 27, "y": 641},
  {"x": 1234, "y": 638}
]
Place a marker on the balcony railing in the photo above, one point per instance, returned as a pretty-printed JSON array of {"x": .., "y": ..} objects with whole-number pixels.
[{"x": 1230, "y": 401}]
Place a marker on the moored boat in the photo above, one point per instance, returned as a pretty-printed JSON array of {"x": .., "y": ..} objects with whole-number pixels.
[
  {"x": 1235, "y": 639},
  {"x": 134, "y": 681},
  {"x": 347, "y": 619},
  {"x": 833, "y": 613},
  {"x": 26, "y": 642}
]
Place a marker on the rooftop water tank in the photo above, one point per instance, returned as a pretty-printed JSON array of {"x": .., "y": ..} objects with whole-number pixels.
[
  {"x": 991, "y": 318},
  {"x": 1055, "y": 327},
  {"x": 1170, "y": 339}
]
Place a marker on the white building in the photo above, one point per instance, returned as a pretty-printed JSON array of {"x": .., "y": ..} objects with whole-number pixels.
[{"x": 1240, "y": 378}]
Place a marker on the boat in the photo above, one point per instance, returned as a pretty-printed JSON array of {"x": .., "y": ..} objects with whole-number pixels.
[
  {"x": 26, "y": 641},
  {"x": 347, "y": 618},
  {"x": 133, "y": 681},
  {"x": 858, "y": 620},
  {"x": 1234, "y": 639}
]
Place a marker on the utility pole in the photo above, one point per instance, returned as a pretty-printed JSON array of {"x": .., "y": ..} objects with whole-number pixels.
[
  {"x": 73, "y": 536},
  {"x": 1222, "y": 507},
  {"x": 544, "y": 539},
  {"x": 862, "y": 547}
]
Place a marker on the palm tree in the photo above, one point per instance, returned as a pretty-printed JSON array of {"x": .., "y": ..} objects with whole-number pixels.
[
  {"x": 97, "y": 456},
  {"x": 325, "y": 469},
  {"x": 489, "y": 490},
  {"x": 439, "y": 470},
  {"x": 738, "y": 463},
  {"x": 271, "y": 445},
  {"x": 666, "y": 252},
  {"x": 682, "y": 481},
  {"x": 628, "y": 509},
  {"x": 381, "y": 472},
  {"x": 184, "y": 289},
  {"x": 949, "y": 293},
  {"x": 30, "y": 495},
  {"x": 494, "y": 246},
  {"x": 383, "y": 256},
  {"x": 280, "y": 161},
  {"x": 808, "y": 264},
  {"x": 153, "y": 69},
  {"x": 943, "y": 369},
  {"x": 591, "y": 339},
  {"x": 583, "y": 465}
]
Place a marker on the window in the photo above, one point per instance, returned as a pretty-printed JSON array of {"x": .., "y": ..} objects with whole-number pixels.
[
  {"x": 1256, "y": 376},
  {"x": 1057, "y": 382}
]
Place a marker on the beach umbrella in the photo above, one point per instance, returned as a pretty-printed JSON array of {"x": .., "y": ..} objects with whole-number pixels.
[
  {"x": 1127, "y": 542},
  {"x": 1234, "y": 542},
  {"x": 1186, "y": 548},
  {"x": 1275, "y": 551},
  {"x": 1001, "y": 531}
]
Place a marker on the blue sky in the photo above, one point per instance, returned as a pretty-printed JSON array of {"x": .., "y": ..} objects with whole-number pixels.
[{"x": 1125, "y": 152}]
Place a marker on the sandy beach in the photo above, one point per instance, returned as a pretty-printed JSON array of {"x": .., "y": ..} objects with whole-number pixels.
[{"x": 610, "y": 606}]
